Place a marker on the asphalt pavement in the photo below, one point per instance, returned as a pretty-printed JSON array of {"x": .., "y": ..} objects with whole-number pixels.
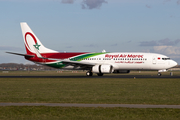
[
  {"x": 95, "y": 76},
  {"x": 91, "y": 105}
]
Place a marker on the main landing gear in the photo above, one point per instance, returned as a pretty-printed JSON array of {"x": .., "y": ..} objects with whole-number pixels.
[
  {"x": 100, "y": 74},
  {"x": 89, "y": 73},
  {"x": 159, "y": 74}
]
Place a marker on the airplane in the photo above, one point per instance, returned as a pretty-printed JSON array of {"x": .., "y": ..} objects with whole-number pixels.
[{"x": 97, "y": 63}]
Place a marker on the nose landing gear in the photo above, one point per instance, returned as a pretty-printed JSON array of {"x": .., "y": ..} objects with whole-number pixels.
[
  {"x": 159, "y": 74},
  {"x": 171, "y": 73}
]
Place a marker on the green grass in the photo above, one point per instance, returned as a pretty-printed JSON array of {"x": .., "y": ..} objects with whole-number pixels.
[
  {"x": 90, "y": 90},
  {"x": 73, "y": 113}
]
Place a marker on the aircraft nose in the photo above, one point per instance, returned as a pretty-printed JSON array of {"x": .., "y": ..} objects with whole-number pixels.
[{"x": 173, "y": 63}]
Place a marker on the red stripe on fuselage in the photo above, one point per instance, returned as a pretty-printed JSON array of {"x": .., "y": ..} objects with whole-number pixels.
[
  {"x": 61, "y": 55},
  {"x": 53, "y": 55}
]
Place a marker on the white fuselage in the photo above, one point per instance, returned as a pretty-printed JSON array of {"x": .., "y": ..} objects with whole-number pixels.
[{"x": 132, "y": 61}]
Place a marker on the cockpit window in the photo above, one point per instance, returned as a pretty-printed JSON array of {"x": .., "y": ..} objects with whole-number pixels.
[{"x": 165, "y": 58}]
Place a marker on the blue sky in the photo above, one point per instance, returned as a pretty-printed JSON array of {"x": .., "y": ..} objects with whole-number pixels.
[{"x": 92, "y": 25}]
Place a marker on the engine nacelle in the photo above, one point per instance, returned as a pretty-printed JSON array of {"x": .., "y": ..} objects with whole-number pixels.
[
  {"x": 121, "y": 71},
  {"x": 102, "y": 69}
]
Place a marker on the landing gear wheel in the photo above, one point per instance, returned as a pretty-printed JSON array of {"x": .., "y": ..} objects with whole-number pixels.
[
  {"x": 171, "y": 73},
  {"x": 100, "y": 74},
  {"x": 159, "y": 74},
  {"x": 88, "y": 73}
]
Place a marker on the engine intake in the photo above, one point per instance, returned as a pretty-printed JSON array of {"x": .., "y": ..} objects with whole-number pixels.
[{"x": 102, "y": 69}]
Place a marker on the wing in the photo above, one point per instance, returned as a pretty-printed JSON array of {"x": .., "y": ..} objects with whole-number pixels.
[{"x": 67, "y": 62}]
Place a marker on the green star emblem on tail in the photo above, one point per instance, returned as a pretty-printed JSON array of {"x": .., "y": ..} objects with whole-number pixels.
[{"x": 37, "y": 46}]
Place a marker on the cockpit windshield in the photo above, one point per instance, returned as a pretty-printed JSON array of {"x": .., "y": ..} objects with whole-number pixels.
[{"x": 165, "y": 58}]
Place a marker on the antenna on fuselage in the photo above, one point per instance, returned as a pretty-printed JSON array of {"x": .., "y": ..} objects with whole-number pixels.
[{"x": 104, "y": 51}]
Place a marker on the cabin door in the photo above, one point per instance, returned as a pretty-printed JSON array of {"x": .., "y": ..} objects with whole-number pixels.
[{"x": 154, "y": 60}]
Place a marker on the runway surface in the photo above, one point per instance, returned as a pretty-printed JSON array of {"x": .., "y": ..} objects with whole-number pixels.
[
  {"x": 91, "y": 105},
  {"x": 106, "y": 76}
]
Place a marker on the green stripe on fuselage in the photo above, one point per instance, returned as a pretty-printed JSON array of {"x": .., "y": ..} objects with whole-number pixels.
[
  {"x": 56, "y": 65},
  {"x": 79, "y": 58}
]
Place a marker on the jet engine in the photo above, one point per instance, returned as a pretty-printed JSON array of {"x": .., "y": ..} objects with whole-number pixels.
[{"x": 102, "y": 69}]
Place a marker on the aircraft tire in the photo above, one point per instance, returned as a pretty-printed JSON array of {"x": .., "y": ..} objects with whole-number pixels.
[
  {"x": 159, "y": 74},
  {"x": 88, "y": 73}
]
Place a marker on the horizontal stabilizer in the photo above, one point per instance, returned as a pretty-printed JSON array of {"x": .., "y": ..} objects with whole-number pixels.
[{"x": 20, "y": 54}]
